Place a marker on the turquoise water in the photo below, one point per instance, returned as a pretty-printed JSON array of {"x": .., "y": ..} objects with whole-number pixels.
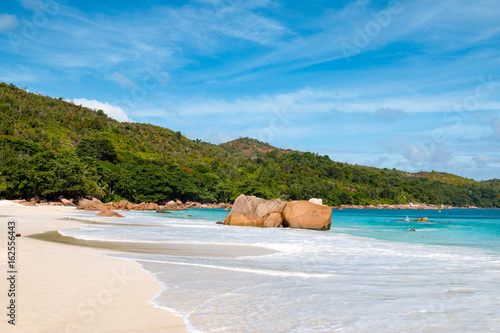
[
  {"x": 476, "y": 228},
  {"x": 367, "y": 274}
]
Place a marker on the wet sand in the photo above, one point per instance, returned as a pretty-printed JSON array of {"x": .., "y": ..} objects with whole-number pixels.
[{"x": 190, "y": 250}]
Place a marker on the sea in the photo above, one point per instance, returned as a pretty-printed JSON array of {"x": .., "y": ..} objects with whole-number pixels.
[{"x": 369, "y": 273}]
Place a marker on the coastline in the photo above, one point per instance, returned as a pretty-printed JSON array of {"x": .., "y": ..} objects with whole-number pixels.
[
  {"x": 408, "y": 206},
  {"x": 63, "y": 288},
  {"x": 174, "y": 206}
]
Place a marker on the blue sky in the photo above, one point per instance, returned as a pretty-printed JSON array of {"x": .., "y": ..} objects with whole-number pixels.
[{"x": 412, "y": 85}]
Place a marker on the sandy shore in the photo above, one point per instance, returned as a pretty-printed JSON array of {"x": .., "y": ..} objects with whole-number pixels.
[{"x": 66, "y": 288}]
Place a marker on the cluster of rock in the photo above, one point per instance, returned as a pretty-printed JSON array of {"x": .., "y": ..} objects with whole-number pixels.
[
  {"x": 398, "y": 206},
  {"x": 106, "y": 209},
  {"x": 96, "y": 204},
  {"x": 126, "y": 205},
  {"x": 179, "y": 205},
  {"x": 257, "y": 212}
]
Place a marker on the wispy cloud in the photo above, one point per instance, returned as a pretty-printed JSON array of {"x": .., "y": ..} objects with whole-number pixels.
[
  {"x": 162, "y": 35},
  {"x": 122, "y": 80},
  {"x": 8, "y": 22},
  {"x": 207, "y": 28},
  {"x": 19, "y": 74},
  {"x": 34, "y": 5},
  {"x": 391, "y": 114},
  {"x": 308, "y": 100},
  {"x": 495, "y": 125},
  {"x": 483, "y": 159},
  {"x": 415, "y": 79}
]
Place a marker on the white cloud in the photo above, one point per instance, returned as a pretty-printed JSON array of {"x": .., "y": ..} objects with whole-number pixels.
[
  {"x": 8, "y": 22},
  {"x": 483, "y": 159},
  {"x": 425, "y": 154},
  {"x": 112, "y": 111}
]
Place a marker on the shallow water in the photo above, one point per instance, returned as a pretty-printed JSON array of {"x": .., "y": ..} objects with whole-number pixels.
[{"x": 369, "y": 273}]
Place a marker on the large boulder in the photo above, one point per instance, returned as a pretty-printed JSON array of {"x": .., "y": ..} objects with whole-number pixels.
[
  {"x": 92, "y": 204},
  {"x": 66, "y": 202},
  {"x": 140, "y": 206},
  {"x": 175, "y": 208},
  {"x": 109, "y": 213},
  {"x": 122, "y": 204},
  {"x": 151, "y": 206},
  {"x": 307, "y": 215},
  {"x": 255, "y": 212}
]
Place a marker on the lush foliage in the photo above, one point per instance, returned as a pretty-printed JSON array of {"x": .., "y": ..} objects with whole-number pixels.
[{"x": 49, "y": 147}]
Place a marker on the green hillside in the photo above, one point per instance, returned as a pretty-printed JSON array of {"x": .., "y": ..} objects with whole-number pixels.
[
  {"x": 250, "y": 147},
  {"x": 444, "y": 177},
  {"x": 49, "y": 148}
]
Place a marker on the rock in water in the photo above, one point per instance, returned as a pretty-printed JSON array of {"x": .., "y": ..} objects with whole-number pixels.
[
  {"x": 422, "y": 219},
  {"x": 66, "y": 202},
  {"x": 316, "y": 201},
  {"x": 94, "y": 204},
  {"x": 307, "y": 215},
  {"x": 151, "y": 206},
  {"x": 109, "y": 213},
  {"x": 255, "y": 212}
]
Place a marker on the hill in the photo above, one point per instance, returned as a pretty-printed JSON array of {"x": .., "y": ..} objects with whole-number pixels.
[
  {"x": 49, "y": 148},
  {"x": 250, "y": 147},
  {"x": 443, "y": 177}
]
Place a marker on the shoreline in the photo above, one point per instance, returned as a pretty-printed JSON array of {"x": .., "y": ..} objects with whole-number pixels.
[
  {"x": 62, "y": 288},
  {"x": 408, "y": 207},
  {"x": 175, "y": 249}
]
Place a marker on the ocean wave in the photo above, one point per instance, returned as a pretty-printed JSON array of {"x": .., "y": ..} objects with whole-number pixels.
[{"x": 244, "y": 270}]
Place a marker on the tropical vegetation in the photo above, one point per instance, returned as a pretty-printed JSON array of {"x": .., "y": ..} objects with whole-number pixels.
[{"x": 51, "y": 148}]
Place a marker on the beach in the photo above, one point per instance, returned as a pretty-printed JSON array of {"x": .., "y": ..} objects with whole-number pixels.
[
  {"x": 67, "y": 288},
  {"x": 181, "y": 272}
]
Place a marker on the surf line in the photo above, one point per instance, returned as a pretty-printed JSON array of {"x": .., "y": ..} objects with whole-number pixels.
[{"x": 245, "y": 270}]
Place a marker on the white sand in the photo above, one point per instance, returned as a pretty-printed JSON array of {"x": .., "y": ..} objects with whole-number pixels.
[
  {"x": 7, "y": 203},
  {"x": 66, "y": 288}
]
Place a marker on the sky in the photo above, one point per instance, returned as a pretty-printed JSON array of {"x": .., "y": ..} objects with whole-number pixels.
[{"x": 411, "y": 85}]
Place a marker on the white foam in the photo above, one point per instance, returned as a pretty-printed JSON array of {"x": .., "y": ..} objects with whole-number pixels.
[
  {"x": 245, "y": 270},
  {"x": 318, "y": 281}
]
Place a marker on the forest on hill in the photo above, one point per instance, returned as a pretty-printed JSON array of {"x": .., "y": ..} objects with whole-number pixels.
[{"x": 52, "y": 148}]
